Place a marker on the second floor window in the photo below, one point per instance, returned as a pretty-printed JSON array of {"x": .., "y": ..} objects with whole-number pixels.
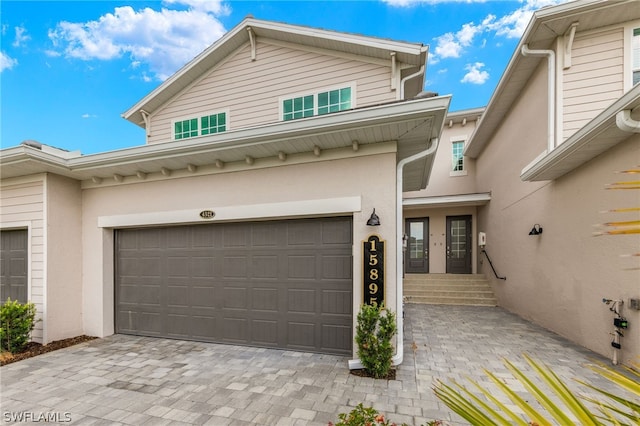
[
  {"x": 456, "y": 155},
  {"x": 316, "y": 104},
  {"x": 205, "y": 125}
]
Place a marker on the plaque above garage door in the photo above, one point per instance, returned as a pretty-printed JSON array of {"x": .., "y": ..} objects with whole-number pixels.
[{"x": 280, "y": 284}]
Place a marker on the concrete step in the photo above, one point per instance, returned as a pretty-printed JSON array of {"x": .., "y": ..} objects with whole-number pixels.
[{"x": 448, "y": 289}]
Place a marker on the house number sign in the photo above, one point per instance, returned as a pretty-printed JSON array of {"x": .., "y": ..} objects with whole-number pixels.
[{"x": 373, "y": 271}]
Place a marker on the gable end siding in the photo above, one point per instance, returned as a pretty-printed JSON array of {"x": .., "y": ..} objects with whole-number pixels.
[
  {"x": 250, "y": 91},
  {"x": 595, "y": 79},
  {"x": 22, "y": 201}
]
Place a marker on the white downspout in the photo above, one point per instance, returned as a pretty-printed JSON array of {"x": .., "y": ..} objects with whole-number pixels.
[
  {"x": 409, "y": 77},
  {"x": 551, "y": 91},
  {"x": 626, "y": 123},
  {"x": 399, "y": 356}
]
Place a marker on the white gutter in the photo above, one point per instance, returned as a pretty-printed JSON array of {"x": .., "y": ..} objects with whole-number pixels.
[
  {"x": 399, "y": 356},
  {"x": 409, "y": 77},
  {"x": 626, "y": 123},
  {"x": 551, "y": 91}
]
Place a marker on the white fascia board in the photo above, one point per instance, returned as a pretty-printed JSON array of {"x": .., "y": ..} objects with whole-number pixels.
[
  {"x": 475, "y": 199},
  {"x": 22, "y": 153},
  {"x": 269, "y": 133}
]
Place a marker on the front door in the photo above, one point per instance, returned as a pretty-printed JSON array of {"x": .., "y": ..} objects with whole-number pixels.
[
  {"x": 458, "y": 244},
  {"x": 416, "y": 256}
]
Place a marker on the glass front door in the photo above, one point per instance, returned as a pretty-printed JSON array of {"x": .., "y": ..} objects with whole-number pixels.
[
  {"x": 417, "y": 252},
  {"x": 458, "y": 244}
]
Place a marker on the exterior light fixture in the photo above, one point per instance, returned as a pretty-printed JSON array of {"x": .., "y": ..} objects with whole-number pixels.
[
  {"x": 374, "y": 220},
  {"x": 536, "y": 230}
]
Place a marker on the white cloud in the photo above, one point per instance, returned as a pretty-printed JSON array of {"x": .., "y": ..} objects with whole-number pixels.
[
  {"x": 89, "y": 116},
  {"x": 21, "y": 36},
  {"x": 409, "y": 3},
  {"x": 475, "y": 75},
  {"x": 7, "y": 62},
  {"x": 164, "y": 40}
]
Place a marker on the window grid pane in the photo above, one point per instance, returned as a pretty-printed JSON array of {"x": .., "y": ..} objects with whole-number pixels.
[
  {"x": 186, "y": 128},
  {"x": 334, "y": 101},
  {"x": 215, "y": 123},
  {"x": 298, "y": 107},
  {"x": 457, "y": 157}
]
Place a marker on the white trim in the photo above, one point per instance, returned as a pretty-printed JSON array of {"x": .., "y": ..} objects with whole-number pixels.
[
  {"x": 45, "y": 251},
  {"x": 628, "y": 54},
  {"x": 477, "y": 199},
  {"x": 329, "y": 206},
  {"x": 352, "y": 85}
]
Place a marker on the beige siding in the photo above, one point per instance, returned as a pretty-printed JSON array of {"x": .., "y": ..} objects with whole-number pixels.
[
  {"x": 595, "y": 78},
  {"x": 22, "y": 206},
  {"x": 250, "y": 91}
]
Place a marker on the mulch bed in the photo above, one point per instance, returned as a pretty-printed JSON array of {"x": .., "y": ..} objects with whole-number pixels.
[
  {"x": 362, "y": 373},
  {"x": 34, "y": 349}
]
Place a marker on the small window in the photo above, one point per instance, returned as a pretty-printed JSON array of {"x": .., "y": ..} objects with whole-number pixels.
[
  {"x": 457, "y": 157},
  {"x": 298, "y": 107},
  {"x": 317, "y": 104},
  {"x": 186, "y": 128},
  {"x": 635, "y": 53},
  {"x": 334, "y": 101},
  {"x": 215, "y": 123}
]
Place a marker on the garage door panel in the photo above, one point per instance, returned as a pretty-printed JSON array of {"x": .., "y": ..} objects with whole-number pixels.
[
  {"x": 265, "y": 299},
  {"x": 271, "y": 284}
]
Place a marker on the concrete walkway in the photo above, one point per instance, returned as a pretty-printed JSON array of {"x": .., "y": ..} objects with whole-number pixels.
[{"x": 138, "y": 380}]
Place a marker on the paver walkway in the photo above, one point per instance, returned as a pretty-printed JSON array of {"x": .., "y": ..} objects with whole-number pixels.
[{"x": 138, "y": 380}]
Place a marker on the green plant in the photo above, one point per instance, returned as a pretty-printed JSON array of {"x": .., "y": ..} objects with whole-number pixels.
[
  {"x": 17, "y": 321},
  {"x": 557, "y": 400},
  {"x": 369, "y": 416},
  {"x": 374, "y": 332}
]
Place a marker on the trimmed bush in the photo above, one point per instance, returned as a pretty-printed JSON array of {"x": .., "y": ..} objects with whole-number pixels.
[
  {"x": 17, "y": 321},
  {"x": 373, "y": 337}
]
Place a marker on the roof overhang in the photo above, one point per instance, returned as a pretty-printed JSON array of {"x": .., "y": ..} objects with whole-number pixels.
[
  {"x": 599, "y": 135},
  {"x": 545, "y": 26},
  {"x": 411, "y": 124},
  {"x": 462, "y": 200},
  {"x": 412, "y": 54}
]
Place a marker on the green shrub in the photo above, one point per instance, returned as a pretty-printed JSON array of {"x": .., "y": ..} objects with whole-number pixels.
[
  {"x": 17, "y": 321},
  {"x": 362, "y": 416},
  {"x": 374, "y": 332}
]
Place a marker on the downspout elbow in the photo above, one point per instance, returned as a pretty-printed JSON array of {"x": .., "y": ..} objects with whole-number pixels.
[
  {"x": 626, "y": 123},
  {"x": 551, "y": 90},
  {"x": 407, "y": 78}
]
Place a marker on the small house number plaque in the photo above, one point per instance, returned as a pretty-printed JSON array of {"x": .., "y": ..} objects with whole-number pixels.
[
  {"x": 207, "y": 214},
  {"x": 373, "y": 271}
]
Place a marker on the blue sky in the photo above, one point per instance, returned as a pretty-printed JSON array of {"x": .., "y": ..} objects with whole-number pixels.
[{"x": 69, "y": 69}]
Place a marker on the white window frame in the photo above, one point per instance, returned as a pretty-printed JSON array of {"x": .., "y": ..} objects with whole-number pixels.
[
  {"x": 454, "y": 140},
  {"x": 198, "y": 117},
  {"x": 628, "y": 53},
  {"x": 315, "y": 93}
]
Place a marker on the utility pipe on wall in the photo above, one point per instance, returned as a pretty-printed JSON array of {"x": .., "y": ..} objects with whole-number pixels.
[
  {"x": 409, "y": 77},
  {"x": 626, "y": 123},
  {"x": 399, "y": 356},
  {"x": 551, "y": 91}
]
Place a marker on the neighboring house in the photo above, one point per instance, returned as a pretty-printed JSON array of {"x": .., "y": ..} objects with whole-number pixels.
[{"x": 243, "y": 218}]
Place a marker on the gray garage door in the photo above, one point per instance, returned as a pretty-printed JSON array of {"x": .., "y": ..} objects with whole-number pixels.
[
  {"x": 13, "y": 265},
  {"x": 280, "y": 284}
]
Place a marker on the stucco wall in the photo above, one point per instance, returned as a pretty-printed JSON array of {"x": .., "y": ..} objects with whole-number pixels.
[
  {"x": 22, "y": 205},
  {"x": 64, "y": 258},
  {"x": 558, "y": 279},
  {"x": 312, "y": 181}
]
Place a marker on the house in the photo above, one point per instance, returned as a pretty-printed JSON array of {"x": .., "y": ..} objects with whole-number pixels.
[{"x": 246, "y": 219}]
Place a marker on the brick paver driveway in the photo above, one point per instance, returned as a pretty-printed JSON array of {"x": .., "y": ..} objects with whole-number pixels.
[{"x": 138, "y": 380}]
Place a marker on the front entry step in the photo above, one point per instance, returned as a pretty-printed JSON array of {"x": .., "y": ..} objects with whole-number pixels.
[{"x": 448, "y": 289}]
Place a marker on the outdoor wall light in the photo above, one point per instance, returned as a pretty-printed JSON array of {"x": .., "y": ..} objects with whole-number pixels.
[
  {"x": 536, "y": 230},
  {"x": 374, "y": 220}
]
